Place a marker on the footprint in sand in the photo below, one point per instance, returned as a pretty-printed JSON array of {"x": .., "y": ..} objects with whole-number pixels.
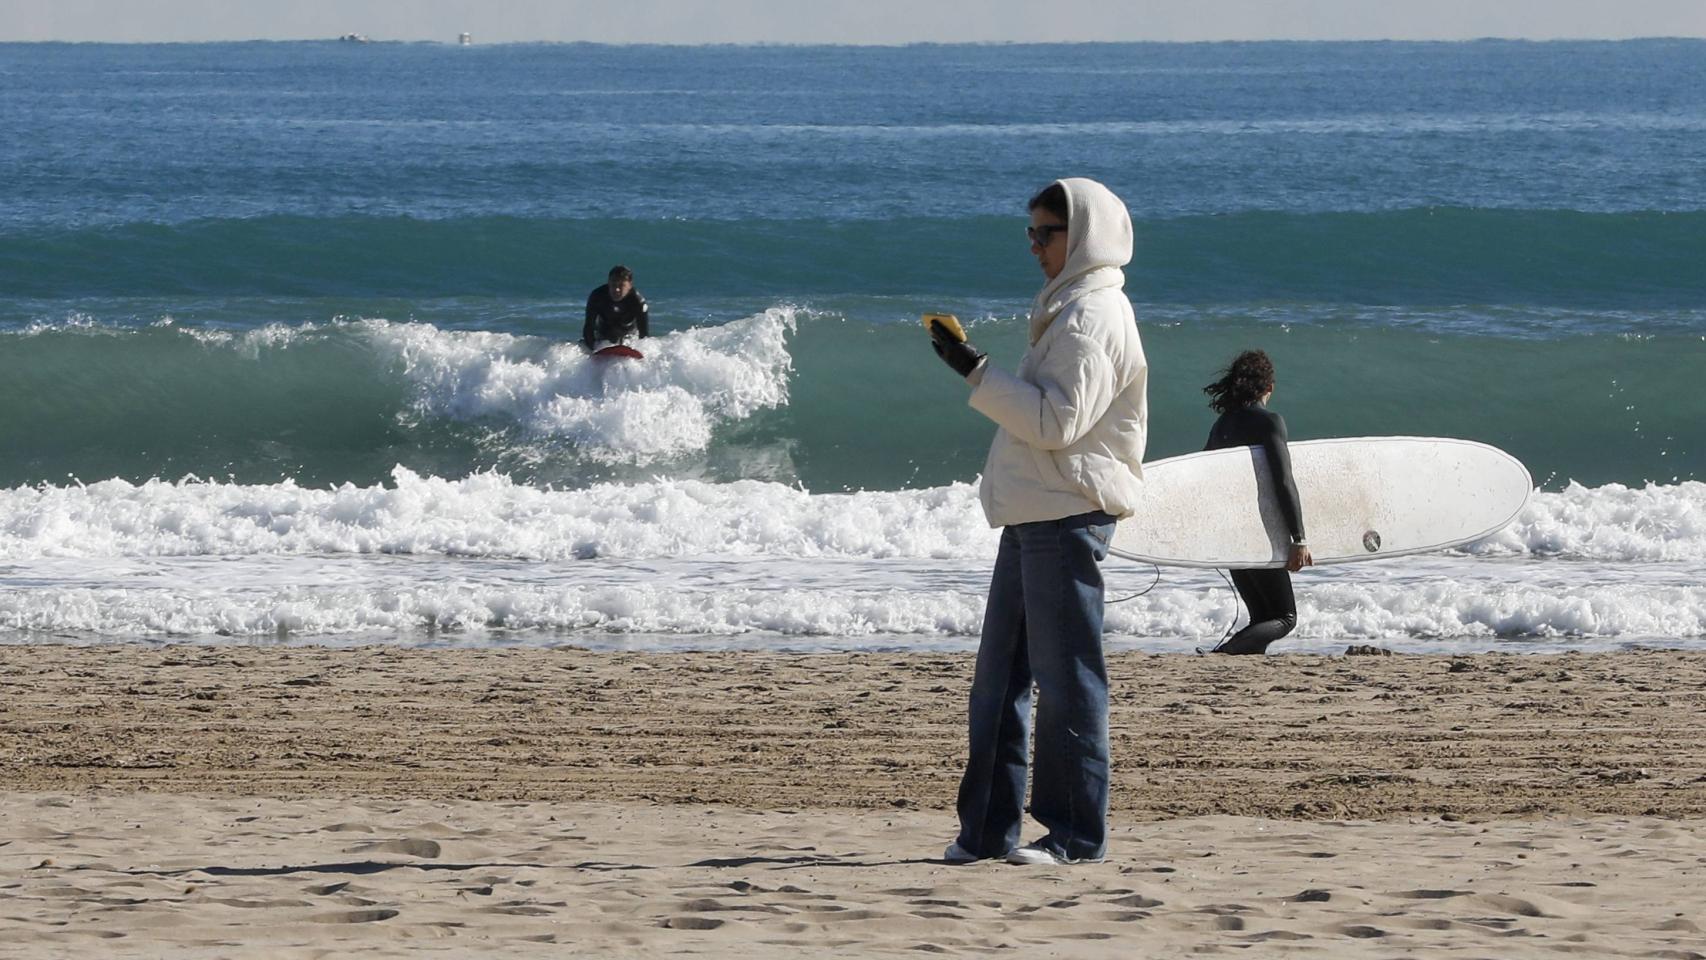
[
  {"x": 1516, "y": 905},
  {"x": 742, "y": 886},
  {"x": 436, "y": 829},
  {"x": 243, "y": 904},
  {"x": 1229, "y": 923},
  {"x": 1360, "y": 931},
  {"x": 1277, "y": 935},
  {"x": 355, "y": 916},
  {"x": 426, "y": 849},
  {"x": 68, "y": 892},
  {"x": 712, "y": 905},
  {"x": 691, "y": 923},
  {"x": 1496, "y": 923},
  {"x": 325, "y": 889},
  {"x": 1423, "y": 923},
  {"x": 518, "y": 910},
  {"x": 852, "y": 916},
  {"x": 936, "y": 908},
  {"x": 1678, "y": 925}
]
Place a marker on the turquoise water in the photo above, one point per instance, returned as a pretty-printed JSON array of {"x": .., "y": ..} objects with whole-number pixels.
[{"x": 867, "y": 406}]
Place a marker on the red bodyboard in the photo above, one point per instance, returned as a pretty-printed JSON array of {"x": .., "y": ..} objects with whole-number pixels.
[{"x": 619, "y": 350}]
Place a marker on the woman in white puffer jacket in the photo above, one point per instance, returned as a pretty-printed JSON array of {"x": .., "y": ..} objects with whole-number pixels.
[{"x": 1066, "y": 464}]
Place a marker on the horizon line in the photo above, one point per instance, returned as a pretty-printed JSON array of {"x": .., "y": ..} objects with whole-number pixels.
[{"x": 369, "y": 40}]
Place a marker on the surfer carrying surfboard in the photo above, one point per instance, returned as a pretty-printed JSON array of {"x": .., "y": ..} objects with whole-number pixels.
[
  {"x": 615, "y": 311},
  {"x": 1241, "y": 397},
  {"x": 1066, "y": 463}
]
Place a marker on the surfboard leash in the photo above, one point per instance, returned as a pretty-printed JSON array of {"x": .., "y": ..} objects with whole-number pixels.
[
  {"x": 1237, "y": 608},
  {"x": 1145, "y": 590},
  {"x": 1237, "y": 605}
]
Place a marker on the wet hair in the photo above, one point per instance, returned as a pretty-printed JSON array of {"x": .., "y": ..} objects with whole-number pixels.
[
  {"x": 619, "y": 272},
  {"x": 1247, "y": 379},
  {"x": 1053, "y": 199}
]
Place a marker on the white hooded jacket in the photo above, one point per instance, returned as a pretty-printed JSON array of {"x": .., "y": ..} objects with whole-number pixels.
[{"x": 1073, "y": 421}]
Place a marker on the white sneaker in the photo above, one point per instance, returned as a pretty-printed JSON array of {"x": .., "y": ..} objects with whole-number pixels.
[
  {"x": 1034, "y": 855},
  {"x": 958, "y": 855}
]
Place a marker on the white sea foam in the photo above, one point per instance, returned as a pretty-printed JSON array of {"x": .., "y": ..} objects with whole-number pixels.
[
  {"x": 74, "y": 322},
  {"x": 1466, "y": 603},
  {"x": 489, "y": 515},
  {"x": 611, "y": 411},
  {"x": 1613, "y": 522},
  {"x": 1445, "y": 604},
  {"x": 432, "y": 611},
  {"x": 485, "y": 560},
  {"x": 486, "y": 515},
  {"x": 550, "y": 393}
]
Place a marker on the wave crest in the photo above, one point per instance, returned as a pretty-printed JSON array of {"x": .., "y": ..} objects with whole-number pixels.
[{"x": 610, "y": 411}]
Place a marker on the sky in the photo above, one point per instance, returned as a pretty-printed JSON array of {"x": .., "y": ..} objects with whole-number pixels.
[{"x": 846, "y": 21}]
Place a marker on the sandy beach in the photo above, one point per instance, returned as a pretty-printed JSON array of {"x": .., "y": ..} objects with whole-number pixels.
[{"x": 300, "y": 801}]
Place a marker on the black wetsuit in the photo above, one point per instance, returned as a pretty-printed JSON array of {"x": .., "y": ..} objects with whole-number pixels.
[
  {"x": 1273, "y": 609},
  {"x": 612, "y": 320}
]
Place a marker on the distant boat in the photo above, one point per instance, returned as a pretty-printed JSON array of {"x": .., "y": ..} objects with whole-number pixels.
[
  {"x": 354, "y": 38},
  {"x": 466, "y": 39}
]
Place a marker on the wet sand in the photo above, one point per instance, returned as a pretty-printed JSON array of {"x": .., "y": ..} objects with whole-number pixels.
[{"x": 1302, "y": 736}]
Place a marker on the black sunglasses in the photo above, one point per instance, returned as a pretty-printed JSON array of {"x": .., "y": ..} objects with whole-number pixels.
[{"x": 1041, "y": 236}]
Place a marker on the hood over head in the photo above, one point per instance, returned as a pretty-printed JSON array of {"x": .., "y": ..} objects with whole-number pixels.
[{"x": 1098, "y": 244}]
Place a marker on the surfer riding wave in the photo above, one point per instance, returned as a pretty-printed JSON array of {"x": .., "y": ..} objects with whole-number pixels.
[{"x": 615, "y": 312}]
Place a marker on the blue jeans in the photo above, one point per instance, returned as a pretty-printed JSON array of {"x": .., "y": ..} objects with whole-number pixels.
[{"x": 1043, "y": 623}]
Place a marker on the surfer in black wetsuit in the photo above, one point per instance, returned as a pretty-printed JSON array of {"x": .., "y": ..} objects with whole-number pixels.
[
  {"x": 1240, "y": 396},
  {"x": 615, "y": 311}
]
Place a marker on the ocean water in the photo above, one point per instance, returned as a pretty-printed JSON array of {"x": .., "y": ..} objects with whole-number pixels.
[{"x": 285, "y": 329}]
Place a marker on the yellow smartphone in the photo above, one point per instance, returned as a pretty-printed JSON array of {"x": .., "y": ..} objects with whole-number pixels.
[{"x": 949, "y": 321}]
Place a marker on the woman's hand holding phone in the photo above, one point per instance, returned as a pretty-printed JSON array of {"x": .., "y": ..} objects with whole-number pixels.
[{"x": 949, "y": 341}]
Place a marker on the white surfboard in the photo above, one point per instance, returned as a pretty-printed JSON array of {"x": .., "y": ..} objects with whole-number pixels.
[{"x": 1363, "y": 498}]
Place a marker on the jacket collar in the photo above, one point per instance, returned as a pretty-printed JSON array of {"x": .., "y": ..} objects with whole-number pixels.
[{"x": 1052, "y": 301}]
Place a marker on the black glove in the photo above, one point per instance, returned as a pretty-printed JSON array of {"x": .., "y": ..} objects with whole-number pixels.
[{"x": 956, "y": 353}]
